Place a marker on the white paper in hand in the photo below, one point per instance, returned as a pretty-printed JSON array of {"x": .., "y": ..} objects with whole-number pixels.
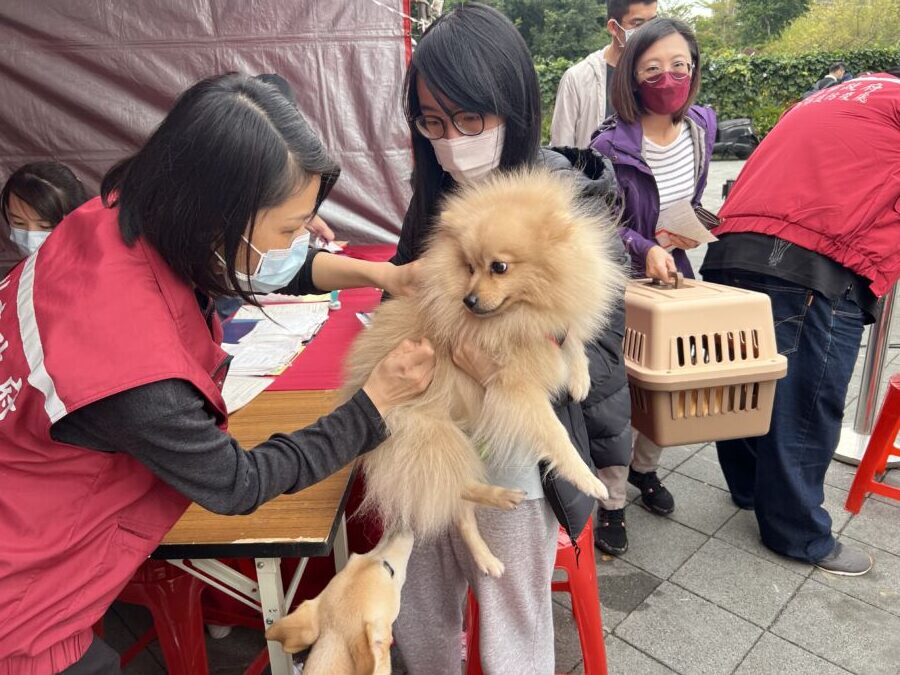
[{"x": 681, "y": 220}]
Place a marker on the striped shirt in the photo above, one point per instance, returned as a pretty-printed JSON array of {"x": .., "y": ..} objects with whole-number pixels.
[{"x": 673, "y": 168}]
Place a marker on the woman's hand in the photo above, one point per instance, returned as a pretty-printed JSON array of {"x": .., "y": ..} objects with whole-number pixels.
[
  {"x": 475, "y": 362},
  {"x": 660, "y": 265},
  {"x": 319, "y": 228},
  {"x": 400, "y": 280},
  {"x": 685, "y": 243},
  {"x": 401, "y": 375}
]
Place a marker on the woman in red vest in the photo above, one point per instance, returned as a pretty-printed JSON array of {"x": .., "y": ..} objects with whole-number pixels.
[{"x": 111, "y": 415}]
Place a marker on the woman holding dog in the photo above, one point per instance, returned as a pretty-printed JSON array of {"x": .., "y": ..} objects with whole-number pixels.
[
  {"x": 473, "y": 104},
  {"x": 111, "y": 415},
  {"x": 660, "y": 144}
]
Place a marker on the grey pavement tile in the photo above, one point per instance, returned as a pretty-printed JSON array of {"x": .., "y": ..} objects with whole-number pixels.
[
  {"x": 567, "y": 645},
  {"x": 623, "y": 659},
  {"x": 743, "y": 532},
  {"x": 623, "y": 587},
  {"x": 835, "y": 498},
  {"x": 840, "y": 475},
  {"x": 687, "y": 633},
  {"x": 704, "y": 466},
  {"x": 672, "y": 457},
  {"x": 774, "y": 655},
  {"x": 892, "y": 478},
  {"x": 657, "y": 544},
  {"x": 231, "y": 655},
  {"x": 880, "y": 587},
  {"x": 698, "y": 505},
  {"x": 841, "y": 629},
  {"x": 878, "y": 524},
  {"x": 752, "y": 588}
]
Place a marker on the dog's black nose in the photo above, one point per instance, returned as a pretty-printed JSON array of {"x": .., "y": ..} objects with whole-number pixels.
[{"x": 470, "y": 300}]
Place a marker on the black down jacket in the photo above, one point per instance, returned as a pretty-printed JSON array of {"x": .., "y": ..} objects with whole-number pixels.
[{"x": 599, "y": 426}]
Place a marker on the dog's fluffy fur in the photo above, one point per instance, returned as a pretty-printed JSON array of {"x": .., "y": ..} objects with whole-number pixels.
[
  {"x": 349, "y": 623},
  {"x": 536, "y": 265}
]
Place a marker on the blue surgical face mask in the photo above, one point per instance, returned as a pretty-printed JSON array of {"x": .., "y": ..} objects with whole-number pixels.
[
  {"x": 276, "y": 266},
  {"x": 28, "y": 240}
]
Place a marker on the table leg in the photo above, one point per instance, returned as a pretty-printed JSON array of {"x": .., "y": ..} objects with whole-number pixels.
[
  {"x": 271, "y": 591},
  {"x": 341, "y": 547}
]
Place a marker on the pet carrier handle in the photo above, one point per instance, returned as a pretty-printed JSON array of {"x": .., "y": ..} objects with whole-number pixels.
[{"x": 677, "y": 281}]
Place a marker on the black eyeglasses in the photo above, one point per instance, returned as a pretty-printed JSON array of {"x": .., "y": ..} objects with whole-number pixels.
[{"x": 433, "y": 127}]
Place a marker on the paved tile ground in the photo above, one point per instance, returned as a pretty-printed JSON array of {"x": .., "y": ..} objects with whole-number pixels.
[{"x": 697, "y": 592}]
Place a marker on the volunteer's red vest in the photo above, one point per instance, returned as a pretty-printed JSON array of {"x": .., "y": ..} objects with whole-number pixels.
[
  {"x": 826, "y": 178},
  {"x": 84, "y": 318}
]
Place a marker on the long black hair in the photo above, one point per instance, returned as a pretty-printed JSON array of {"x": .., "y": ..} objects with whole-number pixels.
[
  {"x": 231, "y": 146},
  {"x": 50, "y": 188},
  {"x": 474, "y": 57}
]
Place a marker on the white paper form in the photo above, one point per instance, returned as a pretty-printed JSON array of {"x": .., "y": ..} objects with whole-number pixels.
[
  {"x": 239, "y": 390},
  {"x": 681, "y": 220}
]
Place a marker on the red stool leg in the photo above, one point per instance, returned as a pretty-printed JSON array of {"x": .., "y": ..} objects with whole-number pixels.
[
  {"x": 586, "y": 603},
  {"x": 473, "y": 652},
  {"x": 880, "y": 447},
  {"x": 173, "y": 598}
]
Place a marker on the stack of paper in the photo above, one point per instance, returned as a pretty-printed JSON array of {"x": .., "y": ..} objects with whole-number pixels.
[
  {"x": 240, "y": 390},
  {"x": 263, "y": 357},
  {"x": 298, "y": 320}
]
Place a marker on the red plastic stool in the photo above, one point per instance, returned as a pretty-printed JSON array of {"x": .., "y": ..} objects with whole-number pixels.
[
  {"x": 173, "y": 598},
  {"x": 880, "y": 447},
  {"x": 581, "y": 584}
]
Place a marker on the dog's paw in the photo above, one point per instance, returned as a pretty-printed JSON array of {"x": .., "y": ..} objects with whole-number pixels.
[
  {"x": 579, "y": 384},
  {"x": 489, "y": 565},
  {"x": 597, "y": 489}
]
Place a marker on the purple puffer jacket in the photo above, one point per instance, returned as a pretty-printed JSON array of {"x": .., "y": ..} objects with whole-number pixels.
[{"x": 622, "y": 144}]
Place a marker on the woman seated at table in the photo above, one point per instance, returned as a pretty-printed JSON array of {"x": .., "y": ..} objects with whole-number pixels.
[
  {"x": 35, "y": 198},
  {"x": 111, "y": 416}
]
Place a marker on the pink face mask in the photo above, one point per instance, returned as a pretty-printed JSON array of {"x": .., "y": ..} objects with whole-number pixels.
[{"x": 665, "y": 95}]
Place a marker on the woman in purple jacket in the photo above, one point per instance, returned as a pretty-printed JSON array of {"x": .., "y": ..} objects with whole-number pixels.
[{"x": 660, "y": 145}]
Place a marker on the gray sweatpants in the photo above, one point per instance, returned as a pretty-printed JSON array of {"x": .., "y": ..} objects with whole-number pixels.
[{"x": 515, "y": 611}]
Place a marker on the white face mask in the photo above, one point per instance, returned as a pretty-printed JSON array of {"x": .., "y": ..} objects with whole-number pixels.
[
  {"x": 276, "y": 267},
  {"x": 28, "y": 240},
  {"x": 628, "y": 33},
  {"x": 470, "y": 158}
]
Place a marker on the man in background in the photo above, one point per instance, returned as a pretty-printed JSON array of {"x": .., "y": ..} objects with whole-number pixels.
[
  {"x": 582, "y": 99},
  {"x": 816, "y": 227},
  {"x": 835, "y": 75}
]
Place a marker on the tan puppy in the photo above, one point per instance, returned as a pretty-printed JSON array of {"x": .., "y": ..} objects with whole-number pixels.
[
  {"x": 349, "y": 623},
  {"x": 516, "y": 265}
]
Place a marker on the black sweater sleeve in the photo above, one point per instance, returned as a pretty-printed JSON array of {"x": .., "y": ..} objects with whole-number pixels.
[
  {"x": 302, "y": 284},
  {"x": 166, "y": 426}
]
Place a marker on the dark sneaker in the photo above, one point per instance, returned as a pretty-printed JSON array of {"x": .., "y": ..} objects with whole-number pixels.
[
  {"x": 847, "y": 561},
  {"x": 653, "y": 492},
  {"x": 609, "y": 534}
]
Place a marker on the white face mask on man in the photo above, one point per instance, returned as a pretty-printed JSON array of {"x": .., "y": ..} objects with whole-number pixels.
[{"x": 471, "y": 158}]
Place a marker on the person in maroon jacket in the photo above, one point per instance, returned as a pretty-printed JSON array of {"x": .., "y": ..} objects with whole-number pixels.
[{"x": 815, "y": 225}]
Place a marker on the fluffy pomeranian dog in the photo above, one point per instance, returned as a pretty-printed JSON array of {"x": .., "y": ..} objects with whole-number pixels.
[{"x": 520, "y": 266}]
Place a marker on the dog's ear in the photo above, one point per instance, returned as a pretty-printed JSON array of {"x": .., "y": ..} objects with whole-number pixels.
[
  {"x": 297, "y": 630},
  {"x": 371, "y": 651},
  {"x": 559, "y": 230}
]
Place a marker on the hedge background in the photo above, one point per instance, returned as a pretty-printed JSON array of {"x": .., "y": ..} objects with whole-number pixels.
[{"x": 758, "y": 87}]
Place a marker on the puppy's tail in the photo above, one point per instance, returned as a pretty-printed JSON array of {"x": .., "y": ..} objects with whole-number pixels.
[{"x": 415, "y": 479}]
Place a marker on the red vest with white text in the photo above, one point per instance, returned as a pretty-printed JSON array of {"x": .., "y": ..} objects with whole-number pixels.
[{"x": 84, "y": 318}]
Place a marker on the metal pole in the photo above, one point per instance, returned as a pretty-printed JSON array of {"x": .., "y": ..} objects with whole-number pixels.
[{"x": 854, "y": 439}]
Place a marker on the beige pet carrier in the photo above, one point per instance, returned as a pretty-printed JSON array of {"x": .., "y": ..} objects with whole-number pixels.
[{"x": 701, "y": 359}]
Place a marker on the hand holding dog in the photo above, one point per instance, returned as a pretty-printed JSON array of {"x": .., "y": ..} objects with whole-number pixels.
[
  {"x": 475, "y": 362},
  {"x": 400, "y": 280},
  {"x": 401, "y": 375}
]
